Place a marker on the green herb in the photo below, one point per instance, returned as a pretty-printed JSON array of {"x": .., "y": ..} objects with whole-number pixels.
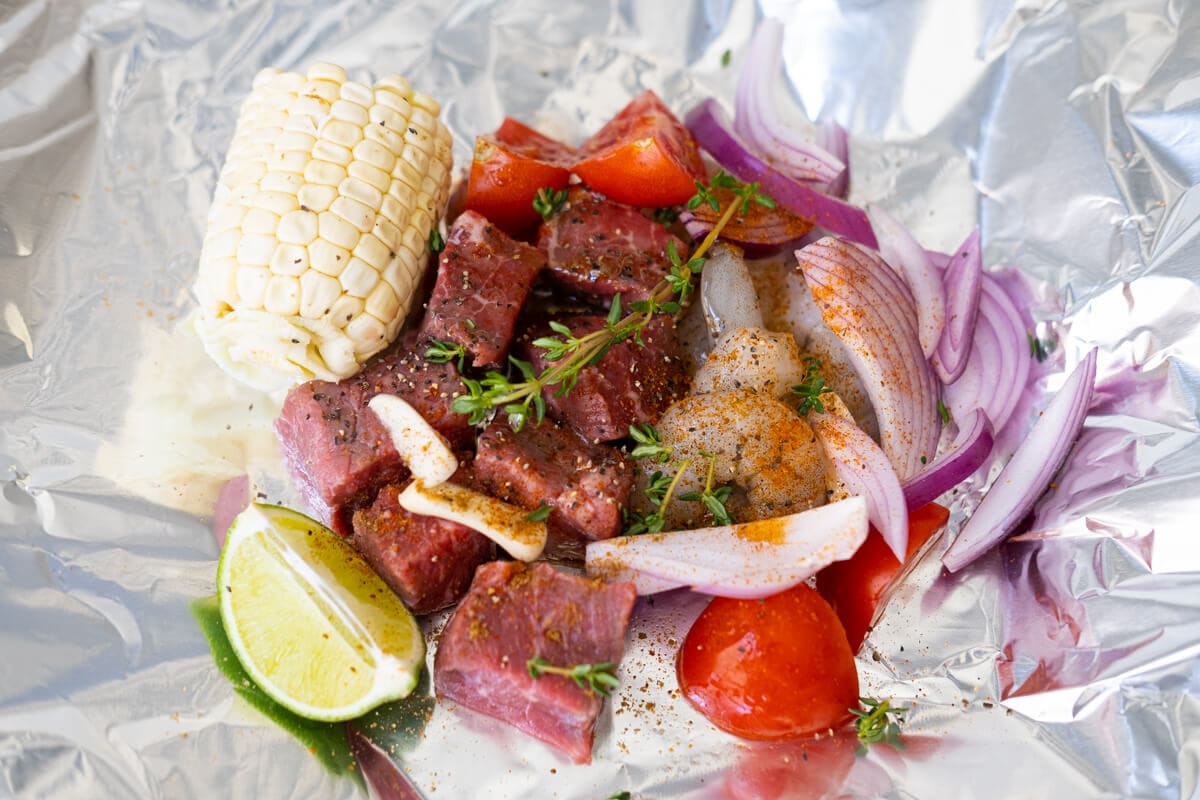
[
  {"x": 812, "y": 388},
  {"x": 470, "y": 323},
  {"x": 440, "y": 352},
  {"x": 878, "y": 722},
  {"x": 599, "y": 677},
  {"x": 658, "y": 491},
  {"x": 666, "y": 216},
  {"x": 571, "y": 354},
  {"x": 746, "y": 192},
  {"x": 436, "y": 243},
  {"x": 648, "y": 444},
  {"x": 944, "y": 413},
  {"x": 547, "y": 201},
  {"x": 923, "y": 459},
  {"x": 539, "y": 514},
  {"x": 1039, "y": 349},
  {"x": 713, "y": 500},
  {"x": 726, "y": 57},
  {"x": 619, "y": 796}
]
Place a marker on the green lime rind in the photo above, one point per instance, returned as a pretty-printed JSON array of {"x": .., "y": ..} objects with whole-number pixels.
[
  {"x": 325, "y": 740},
  {"x": 359, "y": 604}
]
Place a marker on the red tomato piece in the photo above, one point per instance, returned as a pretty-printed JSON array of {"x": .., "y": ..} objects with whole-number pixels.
[
  {"x": 854, "y": 586},
  {"x": 775, "y": 668},
  {"x": 802, "y": 769},
  {"x": 644, "y": 156},
  {"x": 509, "y": 167}
]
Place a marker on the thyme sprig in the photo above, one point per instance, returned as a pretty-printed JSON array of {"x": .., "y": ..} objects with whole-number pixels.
[
  {"x": 659, "y": 492},
  {"x": 598, "y": 677},
  {"x": 813, "y": 386},
  {"x": 878, "y": 722},
  {"x": 713, "y": 499},
  {"x": 539, "y": 514},
  {"x": 649, "y": 445},
  {"x": 521, "y": 398},
  {"x": 441, "y": 352},
  {"x": 547, "y": 201}
]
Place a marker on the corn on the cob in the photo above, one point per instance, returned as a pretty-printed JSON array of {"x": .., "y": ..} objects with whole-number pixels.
[{"x": 319, "y": 229}]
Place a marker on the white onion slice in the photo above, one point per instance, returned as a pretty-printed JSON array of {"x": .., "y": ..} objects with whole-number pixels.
[
  {"x": 753, "y": 559},
  {"x": 864, "y": 470},
  {"x": 905, "y": 255},
  {"x": 866, "y": 305},
  {"x": 1027, "y": 475},
  {"x": 727, "y": 293}
]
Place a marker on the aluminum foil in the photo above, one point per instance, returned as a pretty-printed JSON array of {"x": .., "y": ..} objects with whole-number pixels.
[{"x": 1062, "y": 665}]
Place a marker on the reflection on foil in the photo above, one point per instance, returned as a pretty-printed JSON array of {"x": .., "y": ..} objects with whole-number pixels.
[{"x": 1066, "y": 129}]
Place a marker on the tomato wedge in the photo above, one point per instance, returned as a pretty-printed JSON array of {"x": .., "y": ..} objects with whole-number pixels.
[
  {"x": 855, "y": 586},
  {"x": 774, "y": 668},
  {"x": 644, "y": 156},
  {"x": 509, "y": 167}
]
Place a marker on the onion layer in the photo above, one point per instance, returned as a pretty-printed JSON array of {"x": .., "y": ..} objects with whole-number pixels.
[
  {"x": 754, "y": 559},
  {"x": 755, "y": 120},
  {"x": 866, "y": 305},
  {"x": 963, "y": 279},
  {"x": 903, "y": 254},
  {"x": 967, "y": 454},
  {"x": 712, "y": 130},
  {"x": 998, "y": 366},
  {"x": 864, "y": 470},
  {"x": 1025, "y": 477}
]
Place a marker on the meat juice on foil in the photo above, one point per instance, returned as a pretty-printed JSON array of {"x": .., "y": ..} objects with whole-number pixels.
[{"x": 1061, "y": 665}]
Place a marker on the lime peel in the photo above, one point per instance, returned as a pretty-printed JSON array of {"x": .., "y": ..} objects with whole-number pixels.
[{"x": 309, "y": 620}]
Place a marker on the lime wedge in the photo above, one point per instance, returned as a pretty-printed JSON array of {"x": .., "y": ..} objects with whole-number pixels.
[{"x": 315, "y": 627}]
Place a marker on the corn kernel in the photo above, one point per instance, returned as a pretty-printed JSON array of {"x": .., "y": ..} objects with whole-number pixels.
[
  {"x": 289, "y": 259},
  {"x": 286, "y": 182},
  {"x": 323, "y": 89},
  {"x": 317, "y": 294},
  {"x": 354, "y": 212},
  {"x": 342, "y": 133},
  {"x": 324, "y": 71},
  {"x": 289, "y": 162},
  {"x": 260, "y": 221},
  {"x": 316, "y": 198},
  {"x": 255, "y": 250},
  {"x": 336, "y": 230},
  {"x": 426, "y": 103},
  {"x": 324, "y": 173},
  {"x": 382, "y": 302},
  {"x": 367, "y": 333},
  {"x": 361, "y": 191},
  {"x": 345, "y": 309},
  {"x": 372, "y": 175},
  {"x": 223, "y": 244},
  {"x": 226, "y": 217},
  {"x": 393, "y": 101},
  {"x": 380, "y": 114},
  {"x": 359, "y": 277},
  {"x": 328, "y": 258},
  {"x": 375, "y": 154},
  {"x": 298, "y": 227},
  {"x": 394, "y": 211},
  {"x": 418, "y": 158},
  {"x": 349, "y": 112},
  {"x": 395, "y": 83},
  {"x": 357, "y": 93},
  {"x": 373, "y": 251},
  {"x": 386, "y": 232},
  {"x": 308, "y": 107},
  {"x": 384, "y": 136},
  {"x": 251, "y": 286},
  {"x": 282, "y": 295},
  {"x": 293, "y": 140}
]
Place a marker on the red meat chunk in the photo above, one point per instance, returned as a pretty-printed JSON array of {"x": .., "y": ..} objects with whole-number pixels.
[
  {"x": 586, "y": 485},
  {"x": 483, "y": 280},
  {"x": 336, "y": 448},
  {"x": 515, "y": 612},
  {"x": 603, "y": 248},
  {"x": 631, "y": 384},
  {"x": 427, "y": 561}
]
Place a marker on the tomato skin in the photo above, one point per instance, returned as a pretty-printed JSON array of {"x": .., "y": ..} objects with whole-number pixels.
[
  {"x": 774, "y": 668},
  {"x": 854, "y": 586},
  {"x": 509, "y": 167},
  {"x": 801, "y": 769},
  {"x": 644, "y": 156}
]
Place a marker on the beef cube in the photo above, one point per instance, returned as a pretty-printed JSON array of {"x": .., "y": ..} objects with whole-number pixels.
[
  {"x": 337, "y": 449},
  {"x": 483, "y": 280},
  {"x": 631, "y": 384},
  {"x": 586, "y": 485},
  {"x": 515, "y": 612},
  {"x": 427, "y": 561},
  {"x": 603, "y": 248}
]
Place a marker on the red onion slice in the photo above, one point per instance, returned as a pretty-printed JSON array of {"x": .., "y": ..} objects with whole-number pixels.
[
  {"x": 834, "y": 140},
  {"x": 756, "y": 122},
  {"x": 904, "y": 254},
  {"x": 998, "y": 366},
  {"x": 1026, "y": 476},
  {"x": 873, "y": 313},
  {"x": 963, "y": 279},
  {"x": 384, "y": 777},
  {"x": 970, "y": 449},
  {"x": 863, "y": 468},
  {"x": 711, "y": 128},
  {"x": 753, "y": 559}
]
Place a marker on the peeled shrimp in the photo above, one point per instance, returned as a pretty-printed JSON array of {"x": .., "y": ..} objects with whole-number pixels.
[
  {"x": 761, "y": 448},
  {"x": 751, "y": 358}
]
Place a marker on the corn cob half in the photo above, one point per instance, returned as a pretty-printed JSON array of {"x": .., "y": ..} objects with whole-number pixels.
[{"x": 318, "y": 235}]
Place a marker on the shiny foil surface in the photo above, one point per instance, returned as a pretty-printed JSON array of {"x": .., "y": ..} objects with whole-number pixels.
[{"x": 1064, "y": 664}]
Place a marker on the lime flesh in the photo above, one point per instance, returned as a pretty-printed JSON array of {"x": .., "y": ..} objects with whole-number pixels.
[{"x": 315, "y": 627}]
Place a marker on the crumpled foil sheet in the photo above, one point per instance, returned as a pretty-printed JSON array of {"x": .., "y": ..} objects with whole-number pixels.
[{"x": 1065, "y": 664}]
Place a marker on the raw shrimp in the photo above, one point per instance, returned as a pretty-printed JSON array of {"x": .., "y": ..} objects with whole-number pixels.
[
  {"x": 751, "y": 358},
  {"x": 761, "y": 448}
]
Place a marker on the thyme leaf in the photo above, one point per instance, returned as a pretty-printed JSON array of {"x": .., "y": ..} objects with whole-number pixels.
[
  {"x": 547, "y": 201},
  {"x": 878, "y": 722},
  {"x": 598, "y": 677}
]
